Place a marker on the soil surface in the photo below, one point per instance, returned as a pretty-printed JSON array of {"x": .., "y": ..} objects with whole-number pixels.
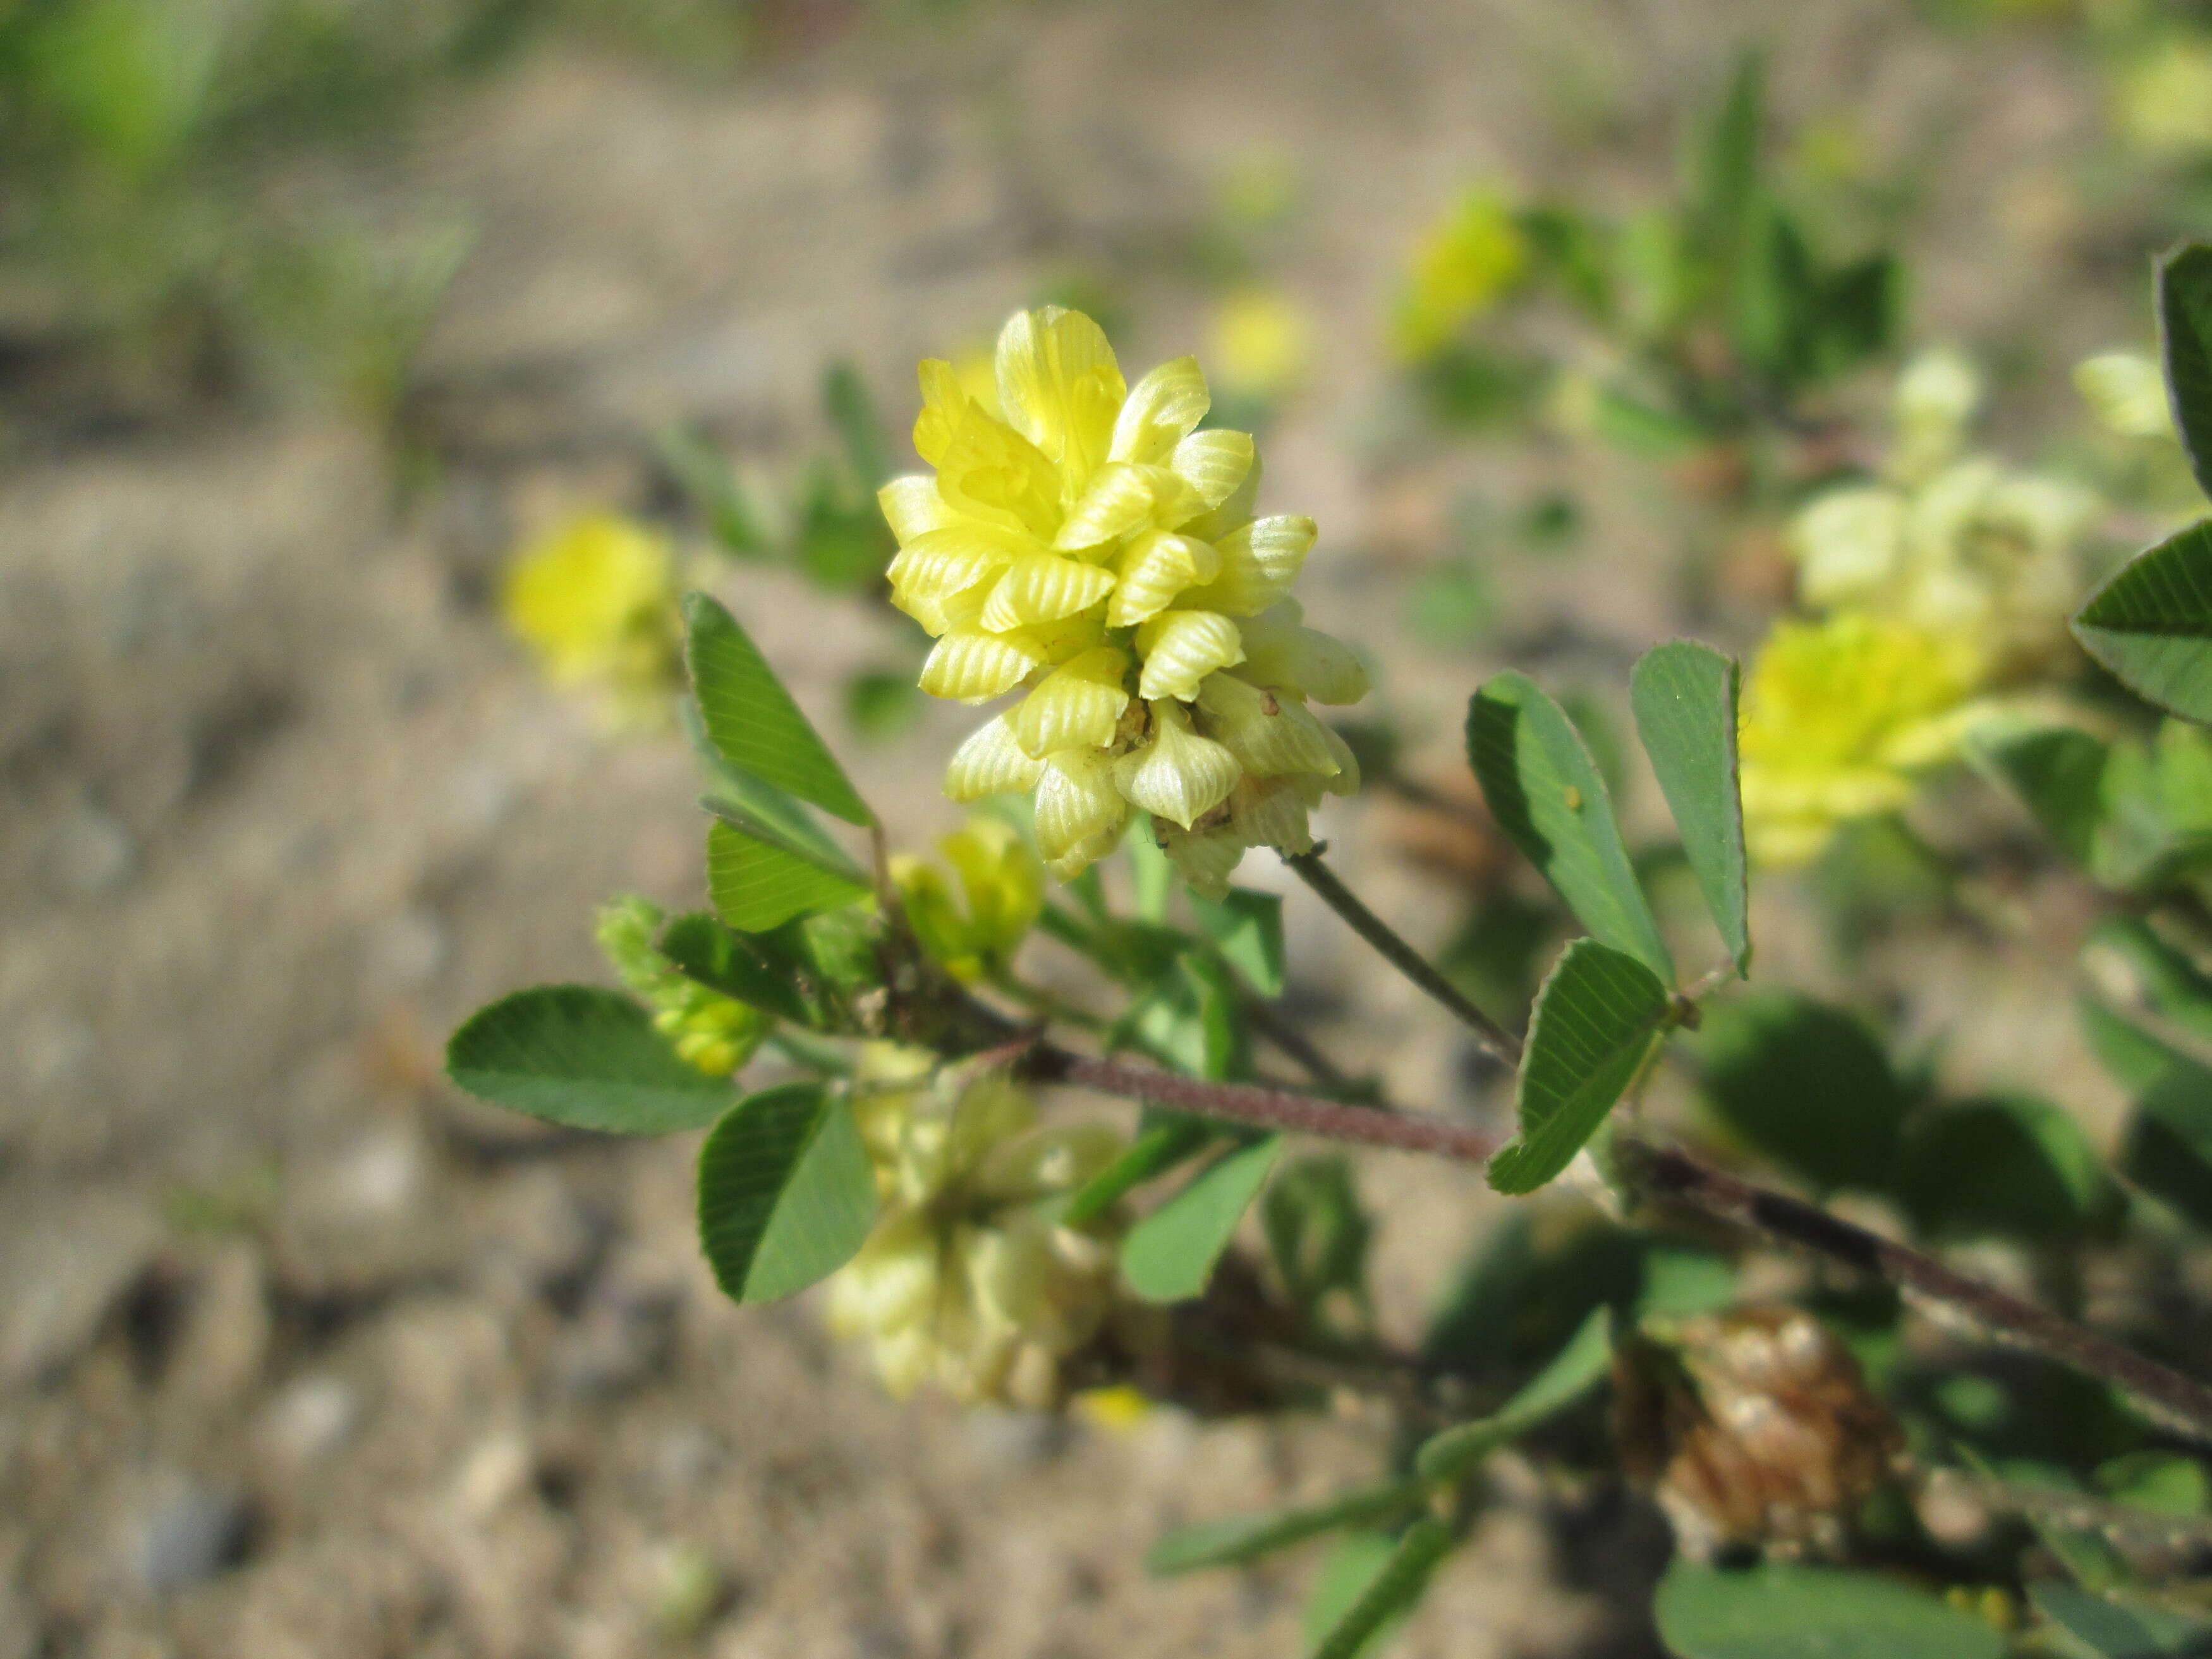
[{"x": 302, "y": 1354}]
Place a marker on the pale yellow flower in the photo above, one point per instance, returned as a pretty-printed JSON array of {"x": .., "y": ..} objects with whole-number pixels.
[
  {"x": 1262, "y": 342},
  {"x": 595, "y": 601},
  {"x": 967, "y": 1283},
  {"x": 1465, "y": 263},
  {"x": 2162, "y": 103},
  {"x": 1946, "y": 540},
  {"x": 2126, "y": 391},
  {"x": 715, "y": 1033},
  {"x": 1096, "y": 551},
  {"x": 1838, "y": 716},
  {"x": 1002, "y": 884}
]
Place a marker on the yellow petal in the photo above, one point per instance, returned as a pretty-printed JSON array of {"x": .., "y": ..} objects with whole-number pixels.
[
  {"x": 1206, "y": 860},
  {"x": 939, "y": 563},
  {"x": 1346, "y": 779},
  {"x": 1155, "y": 568},
  {"x": 1179, "y": 649},
  {"x": 1161, "y": 410},
  {"x": 1060, "y": 385},
  {"x": 1213, "y": 464},
  {"x": 913, "y": 507},
  {"x": 1079, "y": 703},
  {"x": 943, "y": 405},
  {"x": 1121, "y": 500},
  {"x": 1270, "y": 732},
  {"x": 1178, "y": 775},
  {"x": 1268, "y": 812},
  {"x": 990, "y": 762},
  {"x": 1259, "y": 562},
  {"x": 970, "y": 667},
  {"x": 1077, "y": 806},
  {"x": 1281, "y": 654},
  {"x": 1045, "y": 588},
  {"x": 1232, "y": 514},
  {"x": 987, "y": 471}
]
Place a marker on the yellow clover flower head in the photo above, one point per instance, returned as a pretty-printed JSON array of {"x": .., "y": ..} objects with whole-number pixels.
[
  {"x": 1091, "y": 547},
  {"x": 1467, "y": 262},
  {"x": 967, "y": 1282},
  {"x": 2162, "y": 103},
  {"x": 1953, "y": 542},
  {"x": 1002, "y": 884},
  {"x": 1838, "y": 715},
  {"x": 2126, "y": 391},
  {"x": 715, "y": 1033},
  {"x": 595, "y": 601}
]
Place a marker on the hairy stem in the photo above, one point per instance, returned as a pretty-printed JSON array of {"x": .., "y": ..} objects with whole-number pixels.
[
  {"x": 1664, "y": 1173},
  {"x": 1404, "y": 958}
]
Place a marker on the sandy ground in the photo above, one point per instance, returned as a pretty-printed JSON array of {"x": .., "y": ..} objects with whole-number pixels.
[{"x": 300, "y": 1354}]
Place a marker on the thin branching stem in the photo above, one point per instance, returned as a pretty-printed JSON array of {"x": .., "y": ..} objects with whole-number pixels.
[
  {"x": 1665, "y": 1173},
  {"x": 1494, "y": 1037}
]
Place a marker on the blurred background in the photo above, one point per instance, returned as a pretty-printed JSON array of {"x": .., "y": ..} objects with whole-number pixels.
[{"x": 316, "y": 315}]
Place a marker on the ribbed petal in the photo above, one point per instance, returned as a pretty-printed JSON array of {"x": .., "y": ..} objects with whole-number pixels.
[
  {"x": 968, "y": 666},
  {"x": 1178, "y": 775},
  {"x": 1259, "y": 562},
  {"x": 913, "y": 507},
  {"x": 943, "y": 406},
  {"x": 1043, "y": 588},
  {"x": 1280, "y": 652},
  {"x": 1155, "y": 569},
  {"x": 942, "y": 561},
  {"x": 1179, "y": 649},
  {"x": 1213, "y": 464},
  {"x": 1077, "y": 806},
  {"x": 1059, "y": 385},
  {"x": 1346, "y": 781},
  {"x": 1270, "y": 732},
  {"x": 1268, "y": 812},
  {"x": 990, "y": 762},
  {"x": 1232, "y": 514},
  {"x": 987, "y": 471},
  {"x": 1162, "y": 410},
  {"x": 1206, "y": 860},
  {"x": 1079, "y": 704}
]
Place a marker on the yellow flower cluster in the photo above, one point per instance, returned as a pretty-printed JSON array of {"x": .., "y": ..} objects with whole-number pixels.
[
  {"x": 1467, "y": 261},
  {"x": 595, "y": 601},
  {"x": 2163, "y": 102},
  {"x": 1837, "y": 714},
  {"x": 967, "y": 1283},
  {"x": 1948, "y": 540},
  {"x": 1003, "y": 886},
  {"x": 1087, "y": 544},
  {"x": 715, "y": 1033}
]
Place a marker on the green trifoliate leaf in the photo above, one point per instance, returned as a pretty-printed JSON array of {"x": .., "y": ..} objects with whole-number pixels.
[
  {"x": 757, "y": 884},
  {"x": 2184, "y": 315},
  {"x": 751, "y": 719},
  {"x": 2058, "y": 774},
  {"x": 754, "y": 969},
  {"x": 1780, "y": 1611},
  {"x": 584, "y": 1058},
  {"x": 1685, "y": 698},
  {"x": 1247, "y": 928},
  {"x": 1248, "y": 1537},
  {"x": 1396, "y": 1587},
  {"x": 2151, "y": 623},
  {"x": 2107, "y": 1629},
  {"x": 786, "y": 1195},
  {"x": 1596, "y": 1019},
  {"x": 1547, "y": 794},
  {"x": 1574, "y": 1371},
  {"x": 1804, "y": 1084},
  {"x": 1169, "y": 1254},
  {"x": 1165, "y": 1141}
]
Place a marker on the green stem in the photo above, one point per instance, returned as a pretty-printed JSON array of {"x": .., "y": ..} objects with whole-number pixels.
[{"x": 1494, "y": 1037}]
